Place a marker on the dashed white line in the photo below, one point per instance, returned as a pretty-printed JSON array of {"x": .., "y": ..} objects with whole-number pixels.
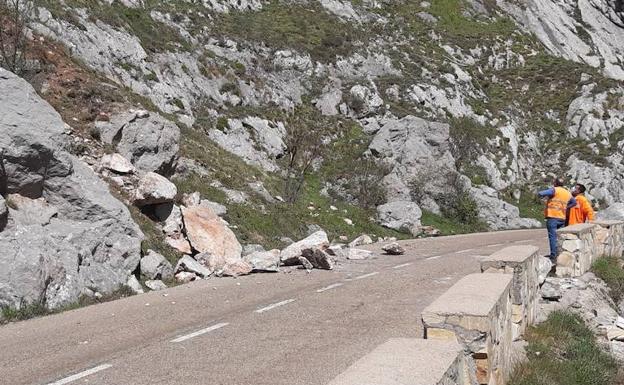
[
  {"x": 434, "y": 257},
  {"x": 367, "y": 275},
  {"x": 335, "y": 285},
  {"x": 464, "y": 251},
  {"x": 199, "y": 332},
  {"x": 402, "y": 266},
  {"x": 273, "y": 306},
  {"x": 496, "y": 245},
  {"x": 80, "y": 375}
]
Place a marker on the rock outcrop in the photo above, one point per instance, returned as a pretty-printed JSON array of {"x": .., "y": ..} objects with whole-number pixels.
[{"x": 85, "y": 242}]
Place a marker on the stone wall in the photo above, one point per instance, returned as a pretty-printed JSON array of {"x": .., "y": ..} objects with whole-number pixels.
[
  {"x": 483, "y": 313},
  {"x": 523, "y": 263},
  {"x": 580, "y": 245},
  {"x": 410, "y": 361},
  {"x": 476, "y": 312},
  {"x": 609, "y": 237}
]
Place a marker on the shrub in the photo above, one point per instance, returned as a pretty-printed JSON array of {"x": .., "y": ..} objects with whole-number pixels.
[{"x": 14, "y": 17}]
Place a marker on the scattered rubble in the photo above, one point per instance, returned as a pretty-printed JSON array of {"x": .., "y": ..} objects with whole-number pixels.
[{"x": 393, "y": 249}]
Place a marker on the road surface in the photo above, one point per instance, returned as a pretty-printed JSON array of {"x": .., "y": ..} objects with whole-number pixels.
[{"x": 263, "y": 329}]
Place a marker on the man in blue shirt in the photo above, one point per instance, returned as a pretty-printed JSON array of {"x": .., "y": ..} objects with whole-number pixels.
[{"x": 557, "y": 205}]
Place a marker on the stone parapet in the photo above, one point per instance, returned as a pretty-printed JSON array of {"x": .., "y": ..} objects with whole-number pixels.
[
  {"x": 577, "y": 249},
  {"x": 476, "y": 312},
  {"x": 522, "y": 262},
  {"x": 409, "y": 361},
  {"x": 609, "y": 237}
]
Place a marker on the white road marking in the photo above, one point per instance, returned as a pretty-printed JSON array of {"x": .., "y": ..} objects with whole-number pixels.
[
  {"x": 273, "y": 306},
  {"x": 401, "y": 266},
  {"x": 335, "y": 285},
  {"x": 464, "y": 251},
  {"x": 199, "y": 332},
  {"x": 434, "y": 257},
  {"x": 80, "y": 375},
  {"x": 367, "y": 275},
  {"x": 496, "y": 245}
]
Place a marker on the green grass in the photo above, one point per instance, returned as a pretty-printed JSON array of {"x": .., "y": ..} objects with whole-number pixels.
[
  {"x": 450, "y": 226},
  {"x": 306, "y": 28},
  {"x": 563, "y": 351},
  {"x": 610, "y": 270},
  {"x": 267, "y": 225},
  {"x": 37, "y": 309}
]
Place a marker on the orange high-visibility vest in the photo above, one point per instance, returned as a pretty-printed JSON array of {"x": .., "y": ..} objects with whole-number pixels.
[
  {"x": 582, "y": 212},
  {"x": 557, "y": 205}
]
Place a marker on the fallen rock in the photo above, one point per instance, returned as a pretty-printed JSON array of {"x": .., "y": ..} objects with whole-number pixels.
[
  {"x": 134, "y": 285},
  {"x": 190, "y": 265},
  {"x": 155, "y": 266},
  {"x": 290, "y": 255},
  {"x": 305, "y": 263},
  {"x": 252, "y": 248},
  {"x": 179, "y": 243},
  {"x": 185, "y": 277},
  {"x": 25, "y": 211},
  {"x": 318, "y": 258},
  {"x": 117, "y": 163},
  {"x": 217, "y": 208},
  {"x": 192, "y": 199},
  {"x": 551, "y": 289},
  {"x": 393, "y": 249},
  {"x": 361, "y": 241},
  {"x": 544, "y": 265},
  {"x": 358, "y": 254},
  {"x": 265, "y": 261},
  {"x": 221, "y": 266},
  {"x": 154, "y": 189},
  {"x": 400, "y": 216},
  {"x": 208, "y": 233},
  {"x": 155, "y": 285},
  {"x": 615, "y": 334},
  {"x": 149, "y": 141}
]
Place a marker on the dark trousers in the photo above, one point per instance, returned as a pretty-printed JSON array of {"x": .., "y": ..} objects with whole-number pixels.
[{"x": 552, "y": 224}]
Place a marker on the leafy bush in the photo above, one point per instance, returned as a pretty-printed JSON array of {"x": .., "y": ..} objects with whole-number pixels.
[{"x": 563, "y": 351}]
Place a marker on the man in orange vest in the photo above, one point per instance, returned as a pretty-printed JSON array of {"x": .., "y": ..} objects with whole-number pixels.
[
  {"x": 583, "y": 211},
  {"x": 559, "y": 201}
]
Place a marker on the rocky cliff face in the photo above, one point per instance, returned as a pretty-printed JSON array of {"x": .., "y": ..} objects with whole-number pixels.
[
  {"x": 451, "y": 110},
  {"x": 64, "y": 234}
]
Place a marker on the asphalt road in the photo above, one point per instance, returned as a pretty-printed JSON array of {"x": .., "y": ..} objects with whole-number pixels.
[{"x": 264, "y": 329}]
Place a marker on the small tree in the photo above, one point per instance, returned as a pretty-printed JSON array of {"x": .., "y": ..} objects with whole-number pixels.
[
  {"x": 14, "y": 18},
  {"x": 305, "y": 134}
]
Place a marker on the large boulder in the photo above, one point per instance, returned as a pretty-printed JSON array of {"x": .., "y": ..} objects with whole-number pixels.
[
  {"x": 290, "y": 255},
  {"x": 155, "y": 266},
  {"x": 148, "y": 140},
  {"x": 614, "y": 212},
  {"x": 400, "y": 215},
  {"x": 208, "y": 233},
  {"x": 154, "y": 189},
  {"x": 90, "y": 245},
  {"x": 265, "y": 261},
  {"x": 26, "y": 211}
]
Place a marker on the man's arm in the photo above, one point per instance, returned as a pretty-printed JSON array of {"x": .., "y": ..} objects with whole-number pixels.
[
  {"x": 547, "y": 193},
  {"x": 588, "y": 210},
  {"x": 571, "y": 202}
]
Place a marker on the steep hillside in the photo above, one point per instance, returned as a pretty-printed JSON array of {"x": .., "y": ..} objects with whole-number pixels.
[{"x": 378, "y": 117}]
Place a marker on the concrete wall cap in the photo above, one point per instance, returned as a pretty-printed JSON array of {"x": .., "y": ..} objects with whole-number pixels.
[
  {"x": 475, "y": 295},
  {"x": 577, "y": 229},
  {"x": 607, "y": 222},
  {"x": 405, "y": 361},
  {"x": 518, "y": 253}
]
